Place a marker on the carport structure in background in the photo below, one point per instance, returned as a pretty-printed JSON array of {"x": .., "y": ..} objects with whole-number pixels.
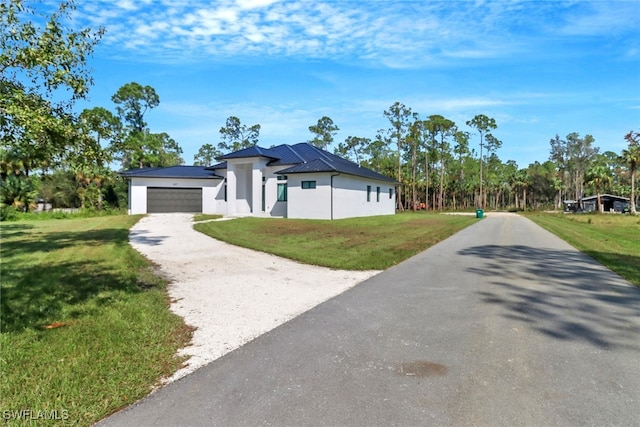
[{"x": 609, "y": 202}]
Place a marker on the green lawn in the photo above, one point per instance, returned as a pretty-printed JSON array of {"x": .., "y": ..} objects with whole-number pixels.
[
  {"x": 85, "y": 323},
  {"x": 371, "y": 243},
  {"x": 612, "y": 240}
]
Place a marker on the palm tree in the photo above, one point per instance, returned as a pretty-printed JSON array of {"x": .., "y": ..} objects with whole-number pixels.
[
  {"x": 631, "y": 156},
  {"x": 599, "y": 176}
]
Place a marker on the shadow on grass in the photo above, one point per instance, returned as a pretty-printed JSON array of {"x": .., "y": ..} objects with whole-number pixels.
[
  {"x": 565, "y": 295},
  {"x": 14, "y": 242},
  {"x": 37, "y": 289},
  {"x": 13, "y": 230}
]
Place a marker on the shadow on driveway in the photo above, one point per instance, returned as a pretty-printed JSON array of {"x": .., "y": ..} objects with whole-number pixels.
[{"x": 563, "y": 294}]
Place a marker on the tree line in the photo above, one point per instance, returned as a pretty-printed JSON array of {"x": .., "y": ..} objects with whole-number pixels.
[{"x": 50, "y": 153}]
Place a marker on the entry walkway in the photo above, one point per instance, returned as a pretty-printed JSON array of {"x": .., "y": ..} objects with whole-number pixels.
[{"x": 502, "y": 324}]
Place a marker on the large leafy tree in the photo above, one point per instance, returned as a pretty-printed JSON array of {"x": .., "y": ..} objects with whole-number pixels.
[
  {"x": 324, "y": 132},
  {"x": 43, "y": 70},
  {"x": 631, "y": 156},
  {"x": 236, "y": 136}
]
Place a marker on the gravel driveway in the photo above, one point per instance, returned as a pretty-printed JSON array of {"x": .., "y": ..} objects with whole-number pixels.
[{"x": 231, "y": 295}]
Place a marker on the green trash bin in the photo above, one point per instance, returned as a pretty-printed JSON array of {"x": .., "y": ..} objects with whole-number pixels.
[{"x": 479, "y": 213}]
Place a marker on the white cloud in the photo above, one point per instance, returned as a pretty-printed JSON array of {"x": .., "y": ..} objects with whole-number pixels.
[
  {"x": 254, "y": 4},
  {"x": 399, "y": 35},
  {"x": 129, "y": 5}
]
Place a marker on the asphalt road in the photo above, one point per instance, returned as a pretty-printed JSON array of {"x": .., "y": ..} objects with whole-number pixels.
[{"x": 502, "y": 324}]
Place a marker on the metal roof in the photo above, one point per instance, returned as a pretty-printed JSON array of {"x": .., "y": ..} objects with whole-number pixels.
[
  {"x": 302, "y": 158},
  {"x": 254, "y": 151},
  {"x": 222, "y": 165},
  {"x": 189, "y": 172},
  {"x": 605, "y": 196},
  {"x": 305, "y": 158}
]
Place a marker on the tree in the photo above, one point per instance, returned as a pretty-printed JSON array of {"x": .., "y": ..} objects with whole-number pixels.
[
  {"x": 18, "y": 191},
  {"x": 96, "y": 126},
  {"x": 573, "y": 157},
  {"x": 483, "y": 125},
  {"x": 206, "y": 155},
  {"x": 581, "y": 154},
  {"x": 133, "y": 100},
  {"x": 139, "y": 147},
  {"x": 439, "y": 125},
  {"x": 353, "y": 145},
  {"x": 414, "y": 141},
  {"x": 631, "y": 156},
  {"x": 400, "y": 117},
  {"x": 324, "y": 132},
  {"x": 90, "y": 165},
  {"x": 461, "y": 153},
  {"x": 101, "y": 124},
  {"x": 378, "y": 155},
  {"x": 43, "y": 70},
  {"x": 598, "y": 176},
  {"x": 236, "y": 136},
  {"x": 157, "y": 150}
]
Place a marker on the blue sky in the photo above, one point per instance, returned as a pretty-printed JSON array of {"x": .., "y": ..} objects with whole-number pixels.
[{"x": 539, "y": 68}]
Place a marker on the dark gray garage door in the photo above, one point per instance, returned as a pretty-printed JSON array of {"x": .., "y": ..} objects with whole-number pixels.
[{"x": 166, "y": 200}]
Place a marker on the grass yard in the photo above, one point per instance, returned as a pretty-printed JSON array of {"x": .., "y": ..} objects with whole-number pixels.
[
  {"x": 612, "y": 240},
  {"x": 85, "y": 325},
  {"x": 371, "y": 243}
]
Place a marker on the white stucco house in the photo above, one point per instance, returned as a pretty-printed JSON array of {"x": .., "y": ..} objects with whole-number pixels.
[{"x": 290, "y": 181}]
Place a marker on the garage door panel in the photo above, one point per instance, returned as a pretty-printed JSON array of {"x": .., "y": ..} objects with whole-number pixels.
[{"x": 168, "y": 200}]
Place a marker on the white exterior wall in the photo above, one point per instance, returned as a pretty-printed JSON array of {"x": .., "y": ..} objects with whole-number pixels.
[
  {"x": 212, "y": 189},
  {"x": 311, "y": 203},
  {"x": 272, "y": 206},
  {"x": 349, "y": 197},
  {"x": 244, "y": 186}
]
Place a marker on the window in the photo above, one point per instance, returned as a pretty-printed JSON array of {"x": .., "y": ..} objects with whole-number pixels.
[
  {"x": 282, "y": 192},
  {"x": 308, "y": 185},
  {"x": 391, "y": 193},
  {"x": 282, "y": 188},
  {"x": 377, "y": 194},
  {"x": 368, "y": 193}
]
